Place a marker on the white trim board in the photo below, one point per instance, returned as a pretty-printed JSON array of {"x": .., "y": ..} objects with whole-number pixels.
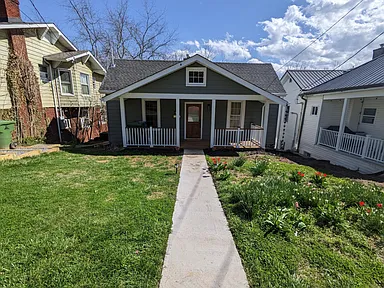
[
  {"x": 195, "y": 69},
  {"x": 205, "y": 62},
  {"x": 61, "y": 88},
  {"x": 225, "y": 97},
  {"x": 201, "y": 119}
]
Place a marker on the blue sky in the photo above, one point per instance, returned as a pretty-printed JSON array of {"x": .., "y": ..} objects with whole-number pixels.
[{"x": 256, "y": 30}]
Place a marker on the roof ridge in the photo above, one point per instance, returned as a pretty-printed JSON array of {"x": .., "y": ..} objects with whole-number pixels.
[{"x": 314, "y": 70}]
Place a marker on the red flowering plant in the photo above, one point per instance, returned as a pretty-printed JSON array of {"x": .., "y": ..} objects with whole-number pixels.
[
  {"x": 319, "y": 179},
  {"x": 296, "y": 176},
  {"x": 215, "y": 165}
]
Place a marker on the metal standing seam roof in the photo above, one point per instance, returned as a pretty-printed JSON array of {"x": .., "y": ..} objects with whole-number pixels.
[
  {"x": 308, "y": 79},
  {"x": 368, "y": 75},
  {"x": 127, "y": 72}
]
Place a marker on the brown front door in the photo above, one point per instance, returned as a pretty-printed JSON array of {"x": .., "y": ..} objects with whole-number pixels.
[{"x": 193, "y": 125}]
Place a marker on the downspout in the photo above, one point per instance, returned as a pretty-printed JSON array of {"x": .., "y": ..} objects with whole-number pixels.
[
  {"x": 301, "y": 121},
  {"x": 54, "y": 101}
]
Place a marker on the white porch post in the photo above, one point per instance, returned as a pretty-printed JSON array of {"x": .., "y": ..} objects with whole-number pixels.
[
  {"x": 342, "y": 123},
  {"x": 213, "y": 117},
  {"x": 265, "y": 124},
  {"x": 177, "y": 122},
  {"x": 278, "y": 127},
  {"x": 123, "y": 122}
]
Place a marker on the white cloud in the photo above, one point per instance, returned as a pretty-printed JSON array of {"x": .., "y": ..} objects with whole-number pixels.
[
  {"x": 290, "y": 34},
  {"x": 228, "y": 49},
  {"x": 255, "y": 60}
]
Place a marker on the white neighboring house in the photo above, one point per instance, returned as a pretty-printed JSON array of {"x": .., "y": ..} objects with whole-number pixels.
[
  {"x": 344, "y": 118},
  {"x": 295, "y": 82}
]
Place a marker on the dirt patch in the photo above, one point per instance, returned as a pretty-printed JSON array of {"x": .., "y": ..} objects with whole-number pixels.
[
  {"x": 155, "y": 195},
  {"x": 110, "y": 198},
  {"x": 102, "y": 161}
]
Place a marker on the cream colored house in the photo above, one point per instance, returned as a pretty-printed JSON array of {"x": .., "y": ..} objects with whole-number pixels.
[{"x": 69, "y": 79}]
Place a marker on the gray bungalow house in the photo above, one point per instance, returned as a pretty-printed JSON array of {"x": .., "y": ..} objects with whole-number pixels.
[{"x": 192, "y": 103}]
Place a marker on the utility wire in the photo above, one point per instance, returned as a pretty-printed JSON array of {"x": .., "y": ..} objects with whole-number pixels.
[
  {"x": 345, "y": 61},
  {"x": 22, "y": 12},
  {"x": 38, "y": 12},
  {"x": 313, "y": 41}
]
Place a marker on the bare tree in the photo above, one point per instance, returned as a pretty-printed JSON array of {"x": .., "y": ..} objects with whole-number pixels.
[
  {"x": 144, "y": 37},
  {"x": 89, "y": 23}
]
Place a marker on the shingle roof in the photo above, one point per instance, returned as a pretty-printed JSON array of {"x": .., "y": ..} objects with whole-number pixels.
[
  {"x": 308, "y": 79},
  {"x": 62, "y": 56},
  {"x": 128, "y": 72},
  {"x": 368, "y": 75}
]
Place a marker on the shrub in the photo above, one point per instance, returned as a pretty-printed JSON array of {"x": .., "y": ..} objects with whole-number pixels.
[
  {"x": 259, "y": 167},
  {"x": 276, "y": 222},
  {"x": 296, "y": 177},
  {"x": 247, "y": 202},
  {"x": 239, "y": 161},
  {"x": 319, "y": 179}
]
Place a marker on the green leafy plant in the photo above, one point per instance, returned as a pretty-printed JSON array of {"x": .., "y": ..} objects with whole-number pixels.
[
  {"x": 330, "y": 215},
  {"x": 239, "y": 161},
  {"x": 215, "y": 165},
  {"x": 259, "y": 167},
  {"x": 223, "y": 175},
  {"x": 277, "y": 222},
  {"x": 296, "y": 177},
  {"x": 319, "y": 179}
]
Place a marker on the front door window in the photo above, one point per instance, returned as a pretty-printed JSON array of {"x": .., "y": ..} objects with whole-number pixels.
[{"x": 193, "y": 121}]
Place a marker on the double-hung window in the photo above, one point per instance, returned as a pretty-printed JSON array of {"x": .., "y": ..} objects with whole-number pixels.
[
  {"x": 151, "y": 113},
  {"x": 84, "y": 82},
  {"x": 65, "y": 77},
  {"x": 196, "y": 76},
  {"x": 369, "y": 115},
  {"x": 235, "y": 117}
]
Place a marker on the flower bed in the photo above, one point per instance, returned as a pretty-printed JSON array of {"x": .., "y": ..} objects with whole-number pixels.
[{"x": 295, "y": 226}]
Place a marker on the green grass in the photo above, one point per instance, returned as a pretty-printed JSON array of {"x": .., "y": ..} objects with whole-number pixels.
[
  {"x": 72, "y": 220},
  {"x": 345, "y": 249}
]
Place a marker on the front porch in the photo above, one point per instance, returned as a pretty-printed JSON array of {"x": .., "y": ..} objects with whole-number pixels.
[
  {"x": 353, "y": 126},
  {"x": 198, "y": 123}
]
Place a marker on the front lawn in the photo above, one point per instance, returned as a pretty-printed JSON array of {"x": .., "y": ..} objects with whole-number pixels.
[
  {"x": 298, "y": 227},
  {"x": 72, "y": 220}
]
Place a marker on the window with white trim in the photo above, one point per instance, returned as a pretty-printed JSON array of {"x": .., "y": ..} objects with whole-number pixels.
[
  {"x": 84, "y": 82},
  {"x": 196, "y": 76},
  {"x": 369, "y": 115},
  {"x": 66, "y": 86},
  {"x": 235, "y": 114},
  {"x": 314, "y": 110},
  {"x": 151, "y": 110}
]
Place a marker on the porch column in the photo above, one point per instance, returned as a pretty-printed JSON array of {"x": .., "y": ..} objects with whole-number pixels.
[
  {"x": 123, "y": 122},
  {"x": 177, "y": 122},
  {"x": 278, "y": 127},
  {"x": 213, "y": 118},
  {"x": 265, "y": 124},
  {"x": 342, "y": 123}
]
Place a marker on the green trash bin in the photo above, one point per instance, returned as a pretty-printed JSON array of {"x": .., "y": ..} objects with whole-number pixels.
[{"x": 6, "y": 129}]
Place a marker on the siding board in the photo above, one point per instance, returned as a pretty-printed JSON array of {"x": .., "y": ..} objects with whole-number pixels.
[{"x": 114, "y": 123}]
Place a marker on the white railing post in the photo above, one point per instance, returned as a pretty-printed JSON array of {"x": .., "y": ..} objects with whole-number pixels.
[
  {"x": 365, "y": 147},
  {"x": 177, "y": 122},
  {"x": 151, "y": 137},
  {"x": 342, "y": 123},
  {"x": 320, "y": 134},
  {"x": 265, "y": 124},
  {"x": 238, "y": 138}
]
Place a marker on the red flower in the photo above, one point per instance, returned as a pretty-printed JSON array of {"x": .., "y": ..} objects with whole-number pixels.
[
  {"x": 369, "y": 211},
  {"x": 379, "y": 205},
  {"x": 218, "y": 159},
  {"x": 318, "y": 173},
  {"x": 325, "y": 175},
  {"x": 214, "y": 160},
  {"x": 361, "y": 203}
]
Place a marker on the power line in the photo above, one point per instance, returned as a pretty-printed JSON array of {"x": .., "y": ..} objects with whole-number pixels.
[
  {"x": 313, "y": 41},
  {"x": 22, "y": 12},
  {"x": 345, "y": 61},
  {"x": 38, "y": 12}
]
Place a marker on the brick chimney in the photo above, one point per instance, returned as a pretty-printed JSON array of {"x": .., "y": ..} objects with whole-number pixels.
[
  {"x": 378, "y": 52},
  {"x": 9, "y": 11}
]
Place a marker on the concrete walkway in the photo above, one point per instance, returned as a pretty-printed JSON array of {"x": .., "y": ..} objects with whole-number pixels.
[{"x": 201, "y": 251}]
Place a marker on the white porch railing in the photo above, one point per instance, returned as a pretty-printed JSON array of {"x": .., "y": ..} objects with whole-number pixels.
[
  {"x": 151, "y": 137},
  {"x": 363, "y": 146},
  {"x": 239, "y": 138}
]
